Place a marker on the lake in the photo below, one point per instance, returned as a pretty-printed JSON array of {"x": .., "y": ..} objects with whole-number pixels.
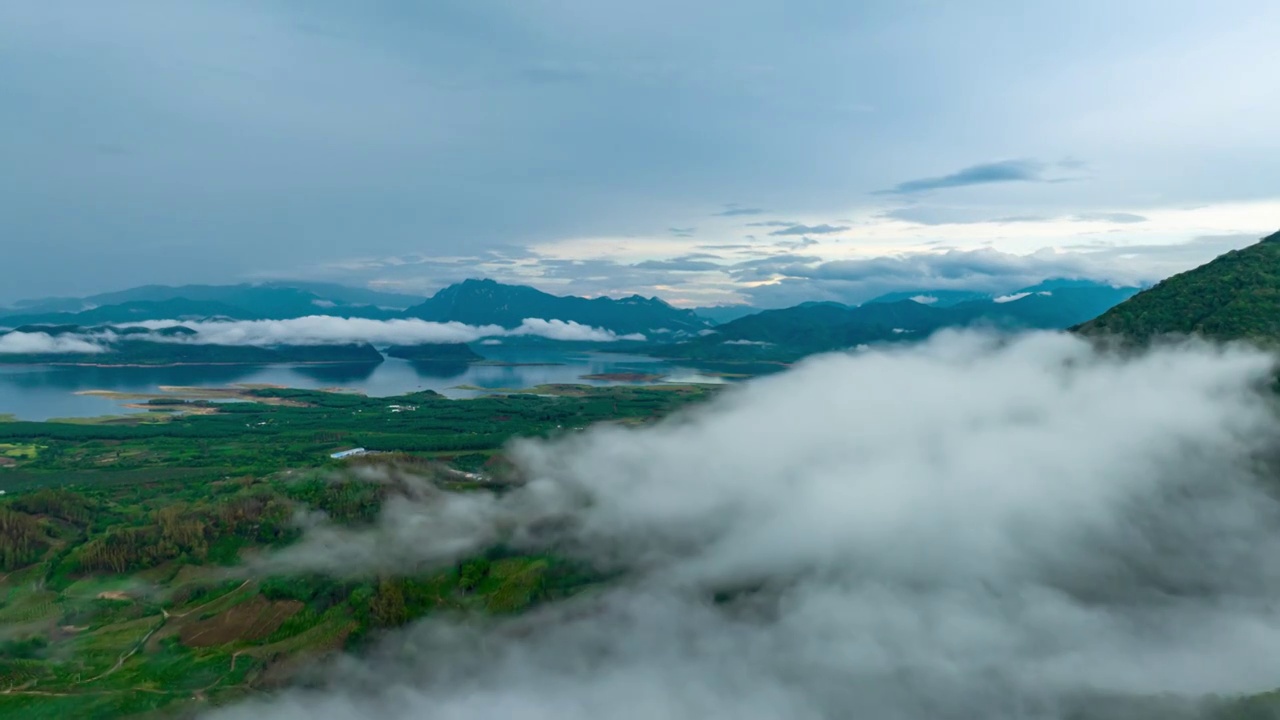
[{"x": 38, "y": 392}]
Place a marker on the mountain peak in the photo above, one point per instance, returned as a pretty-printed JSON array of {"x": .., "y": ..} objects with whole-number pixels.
[{"x": 482, "y": 301}]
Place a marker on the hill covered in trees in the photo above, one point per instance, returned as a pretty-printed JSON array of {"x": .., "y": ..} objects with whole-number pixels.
[{"x": 1236, "y": 296}]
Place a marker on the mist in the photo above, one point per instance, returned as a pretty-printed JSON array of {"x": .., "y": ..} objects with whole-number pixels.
[
  {"x": 39, "y": 342},
  {"x": 330, "y": 330},
  {"x": 970, "y": 527},
  {"x": 311, "y": 330}
]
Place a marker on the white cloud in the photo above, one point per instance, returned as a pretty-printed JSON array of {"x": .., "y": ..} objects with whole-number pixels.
[
  {"x": 562, "y": 330},
  {"x": 969, "y": 527},
  {"x": 38, "y": 342},
  {"x": 924, "y": 299},
  {"x": 328, "y": 330},
  {"x": 1011, "y": 298}
]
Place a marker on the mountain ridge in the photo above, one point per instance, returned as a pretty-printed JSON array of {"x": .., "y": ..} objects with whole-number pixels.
[{"x": 1235, "y": 296}]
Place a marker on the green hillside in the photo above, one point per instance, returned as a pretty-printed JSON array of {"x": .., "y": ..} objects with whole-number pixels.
[{"x": 1236, "y": 296}]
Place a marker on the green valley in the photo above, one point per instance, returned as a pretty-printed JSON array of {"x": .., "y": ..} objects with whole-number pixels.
[{"x": 122, "y": 587}]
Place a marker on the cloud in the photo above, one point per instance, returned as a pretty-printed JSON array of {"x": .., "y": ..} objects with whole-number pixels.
[
  {"x": 569, "y": 330},
  {"x": 968, "y": 528},
  {"x": 740, "y": 211},
  {"x": 823, "y": 229},
  {"x": 1111, "y": 217},
  {"x": 986, "y": 173},
  {"x": 328, "y": 330},
  {"x": 1010, "y": 298},
  {"x": 929, "y": 215},
  {"x": 986, "y": 271},
  {"x": 682, "y": 232},
  {"x": 678, "y": 265},
  {"x": 38, "y": 342},
  {"x": 933, "y": 215}
]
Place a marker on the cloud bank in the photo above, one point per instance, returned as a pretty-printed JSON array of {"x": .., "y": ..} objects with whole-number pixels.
[
  {"x": 967, "y": 528},
  {"x": 38, "y": 342},
  {"x": 312, "y": 330},
  {"x": 330, "y": 330}
]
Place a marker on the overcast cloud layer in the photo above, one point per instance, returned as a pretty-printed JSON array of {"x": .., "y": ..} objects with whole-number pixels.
[
  {"x": 314, "y": 330},
  {"x": 411, "y": 144},
  {"x": 966, "y": 528}
]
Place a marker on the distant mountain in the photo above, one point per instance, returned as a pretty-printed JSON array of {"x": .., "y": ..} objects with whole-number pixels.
[
  {"x": 1043, "y": 309},
  {"x": 1233, "y": 297},
  {"x": 135, "y": 311},
  {"x": 163, "y": 302},
  {"x": 792, "y": 333},
  {"x": 936, "y": 298},
  {"x": 344, "y": 295},
  {"x": 486, "y": 302},
  {"x": 720, "y": 314}
]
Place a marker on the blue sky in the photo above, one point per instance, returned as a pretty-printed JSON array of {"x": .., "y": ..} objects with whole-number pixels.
[{"x": 708, "y": 152}]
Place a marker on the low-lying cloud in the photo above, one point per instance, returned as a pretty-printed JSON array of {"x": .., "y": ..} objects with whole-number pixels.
[
  {"x": 330, "y": 330},
  {"x": 971, "y": 527},
  {"x": 14, "y": 343},
  {"x": 313, "y": 330}
]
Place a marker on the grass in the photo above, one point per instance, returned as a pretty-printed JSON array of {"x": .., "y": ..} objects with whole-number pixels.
[
  {"x": 29, "y": 608},
  {"x": 19, "y": 452}
]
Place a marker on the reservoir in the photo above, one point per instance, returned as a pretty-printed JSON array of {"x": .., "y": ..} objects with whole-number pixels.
[{"x": 44, "y": 392}]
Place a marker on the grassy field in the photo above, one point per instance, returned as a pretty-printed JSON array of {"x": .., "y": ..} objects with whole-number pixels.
[{"x": 19, "y": 452}]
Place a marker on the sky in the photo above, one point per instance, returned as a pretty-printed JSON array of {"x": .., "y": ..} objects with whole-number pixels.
[{"x": 754, "y": 151}]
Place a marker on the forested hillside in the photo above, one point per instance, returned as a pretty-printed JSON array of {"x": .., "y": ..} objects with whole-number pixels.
[{"x": 1236, "y": 296}]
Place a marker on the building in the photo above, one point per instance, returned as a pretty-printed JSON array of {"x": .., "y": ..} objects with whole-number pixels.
[{"x": 347, "y": 453}]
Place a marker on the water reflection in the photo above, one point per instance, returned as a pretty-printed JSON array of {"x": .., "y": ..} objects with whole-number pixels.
[
  {"x": 337, "y": 374},
  {"x": 43, "y": 392}
]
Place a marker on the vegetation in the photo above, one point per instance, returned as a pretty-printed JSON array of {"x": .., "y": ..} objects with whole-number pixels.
[
  {"x": 1234, "y": 297},
  {"x": 120, "y": 593}
]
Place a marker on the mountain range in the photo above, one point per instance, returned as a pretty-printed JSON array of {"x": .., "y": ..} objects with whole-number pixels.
[
  {"x": 742, "y": 333},
  {"x": 794, "y": 332}
]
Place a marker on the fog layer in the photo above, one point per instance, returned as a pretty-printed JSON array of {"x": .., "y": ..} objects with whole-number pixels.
[
  {"x": 313, "y": 330},
  {"x": 966, "y": 528}
]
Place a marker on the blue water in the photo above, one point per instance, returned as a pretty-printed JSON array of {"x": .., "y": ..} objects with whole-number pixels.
[{"x": 34, "y": 392}]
